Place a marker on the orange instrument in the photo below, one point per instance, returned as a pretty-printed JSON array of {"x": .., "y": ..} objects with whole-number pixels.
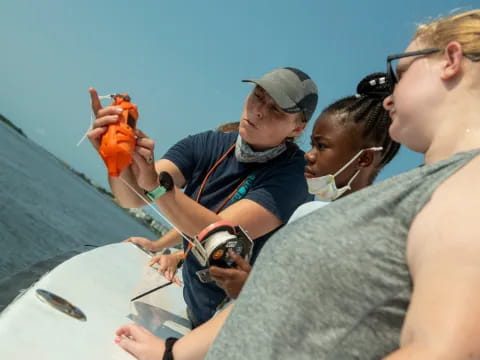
[{"x": 118, "y": 143}]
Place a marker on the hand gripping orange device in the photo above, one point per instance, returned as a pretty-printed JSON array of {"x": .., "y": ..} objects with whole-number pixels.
[{"x": 118, "y": 143}]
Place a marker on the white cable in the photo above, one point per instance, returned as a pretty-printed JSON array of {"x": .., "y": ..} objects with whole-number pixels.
[
  {"x": 217, "y": 239},
  {"x": 155, "y": 210},
  {"x": 102, "y": 97}
]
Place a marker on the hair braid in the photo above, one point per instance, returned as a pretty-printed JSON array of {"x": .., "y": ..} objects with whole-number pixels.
[{"x": 367, "y": 108}]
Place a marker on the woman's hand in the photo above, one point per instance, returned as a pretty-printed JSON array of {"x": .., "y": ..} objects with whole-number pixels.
[
  {"x": 104, "y": 117},
  {"x": 143, "y": 165},
  {"x": 167, "y": 265},
  {"x": 231, "y": 280},
  {"x": 143, "y": 162},
  {"x": 140, "y": 342},
  {"x": 143, "y": 242}
]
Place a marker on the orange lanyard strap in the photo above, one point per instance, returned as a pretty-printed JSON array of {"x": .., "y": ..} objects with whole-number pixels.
[
  {"x": 212, "y": 170},
  {"x": 229, "y": 197},
  {"x": 204, "y": 182}
]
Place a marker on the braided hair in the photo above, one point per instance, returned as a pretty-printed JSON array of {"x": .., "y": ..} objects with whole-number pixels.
[{"x": 367, "y": 107}]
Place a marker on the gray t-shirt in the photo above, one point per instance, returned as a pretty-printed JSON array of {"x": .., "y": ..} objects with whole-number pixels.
[{"x": 335, "y": 283}]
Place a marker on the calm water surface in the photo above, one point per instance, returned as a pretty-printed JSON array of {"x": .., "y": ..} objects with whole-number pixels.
[{"x": 48, "y": 214}]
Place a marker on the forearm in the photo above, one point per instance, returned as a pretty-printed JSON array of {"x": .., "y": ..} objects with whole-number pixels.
[
  {"x": 125, "y": 196},
  {"x": 196, "y": 344},
  {"x": 187, "y": 215},
  {"x": 170, "y": 239},
  {"x": 408, "y": 352},
  {"x": 416, "y": 351}
]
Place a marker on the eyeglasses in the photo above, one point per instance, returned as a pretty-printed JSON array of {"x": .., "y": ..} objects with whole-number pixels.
[{"x": 393, "y": 77}]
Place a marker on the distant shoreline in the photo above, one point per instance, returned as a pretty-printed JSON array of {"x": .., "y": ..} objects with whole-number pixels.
[
  {"x": 138, "y": 214},
  {"x": 12, "y": 125}
]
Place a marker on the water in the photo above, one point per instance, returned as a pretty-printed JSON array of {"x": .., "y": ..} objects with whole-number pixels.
[{"x": 48, "y": 214}]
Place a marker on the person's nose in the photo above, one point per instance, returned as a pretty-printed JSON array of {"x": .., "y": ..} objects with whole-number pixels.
[
  {"x": 258, "y": 111},
  {"x": 309, "y": 157}
]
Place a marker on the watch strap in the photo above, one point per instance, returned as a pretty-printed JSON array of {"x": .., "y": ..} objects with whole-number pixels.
[
  {"x": 156, "y": 193},
  {"x": 166, "y": 184},
  {"x": 168, "y": 354}
]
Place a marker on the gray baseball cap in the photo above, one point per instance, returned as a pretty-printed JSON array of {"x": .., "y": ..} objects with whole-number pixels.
[{"x": 292, "y": 90}]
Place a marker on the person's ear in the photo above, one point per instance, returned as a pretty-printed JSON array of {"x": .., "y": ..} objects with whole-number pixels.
[
  {"x": 366, "y": 159},
  {"x": 452, "y": 60},
  {"x": 300, "y": 126}
]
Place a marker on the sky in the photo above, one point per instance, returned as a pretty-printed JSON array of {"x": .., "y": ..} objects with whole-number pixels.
[{"x": 182, "y": 61}]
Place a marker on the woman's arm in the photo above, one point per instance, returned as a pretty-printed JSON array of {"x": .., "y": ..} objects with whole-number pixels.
[
  {"x": 142, "y": 344},
  {"x": 128, "y": 198},
  {"x": 443, "y": 252},
  {"x": 186, "y": 214},
  {"x": 191, "y": 217},
  {"x": 196, "y": 344},
  {"x": 170, "y": 239}
]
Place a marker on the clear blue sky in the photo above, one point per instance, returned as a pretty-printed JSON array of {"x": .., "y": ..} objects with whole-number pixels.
[{"x": 182, "y": 61}]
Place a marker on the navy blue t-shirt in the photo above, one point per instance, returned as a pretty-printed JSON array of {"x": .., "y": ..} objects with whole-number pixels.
[{"x": 278, "y": 185}]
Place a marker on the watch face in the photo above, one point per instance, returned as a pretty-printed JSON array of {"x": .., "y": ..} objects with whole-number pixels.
[{"x": 166, "y": 180}]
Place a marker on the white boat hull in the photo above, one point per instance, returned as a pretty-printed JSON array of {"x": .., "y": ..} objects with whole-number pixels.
[{"x": 100, "y": 283}]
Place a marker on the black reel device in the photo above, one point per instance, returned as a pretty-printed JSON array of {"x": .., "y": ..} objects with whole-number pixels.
[{"x": 212, "y": 245}]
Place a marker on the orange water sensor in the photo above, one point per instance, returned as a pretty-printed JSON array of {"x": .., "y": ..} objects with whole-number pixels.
[{"x": 118, "y": 143}]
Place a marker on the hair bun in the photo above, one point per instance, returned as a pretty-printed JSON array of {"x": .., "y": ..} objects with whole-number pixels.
[{"x": 374, "y": 85}]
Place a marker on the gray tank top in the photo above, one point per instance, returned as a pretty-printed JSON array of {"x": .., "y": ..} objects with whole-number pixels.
[{"x": 335, "y": 284}]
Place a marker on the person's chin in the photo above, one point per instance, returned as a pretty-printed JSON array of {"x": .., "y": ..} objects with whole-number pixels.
[
  {"x": 394, "y": 131},
  {"x": 245, "y": 133}
]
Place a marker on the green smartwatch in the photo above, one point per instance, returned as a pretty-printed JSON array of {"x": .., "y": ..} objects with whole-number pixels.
[{"x": 166, "y": 184}]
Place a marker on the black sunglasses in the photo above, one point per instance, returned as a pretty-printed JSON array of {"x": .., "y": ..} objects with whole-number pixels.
[{"x": 392, "y": 71}]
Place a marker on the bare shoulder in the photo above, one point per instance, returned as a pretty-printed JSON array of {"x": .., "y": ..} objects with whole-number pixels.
[
  {"x": 443, "y": 252},
  {"x": 451, "y": 216}
]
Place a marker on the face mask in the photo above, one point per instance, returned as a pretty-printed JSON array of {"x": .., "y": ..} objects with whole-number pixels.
[
  {"x": 244, "y": 153},
  {"x": 325, "y": 188}
]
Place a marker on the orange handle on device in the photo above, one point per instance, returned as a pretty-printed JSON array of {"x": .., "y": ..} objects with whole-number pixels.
[{"x": 118, "y": 143}]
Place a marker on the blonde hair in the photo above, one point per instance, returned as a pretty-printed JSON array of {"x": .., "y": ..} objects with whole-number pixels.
[
  {"x": 229, "y": 127},
  {"x": 463, "y": 28}
]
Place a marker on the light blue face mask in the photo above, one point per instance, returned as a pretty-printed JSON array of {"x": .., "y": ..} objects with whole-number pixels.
[
  {"x": 245, "y": 154},
  {"x": 325, "y": 188}
]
